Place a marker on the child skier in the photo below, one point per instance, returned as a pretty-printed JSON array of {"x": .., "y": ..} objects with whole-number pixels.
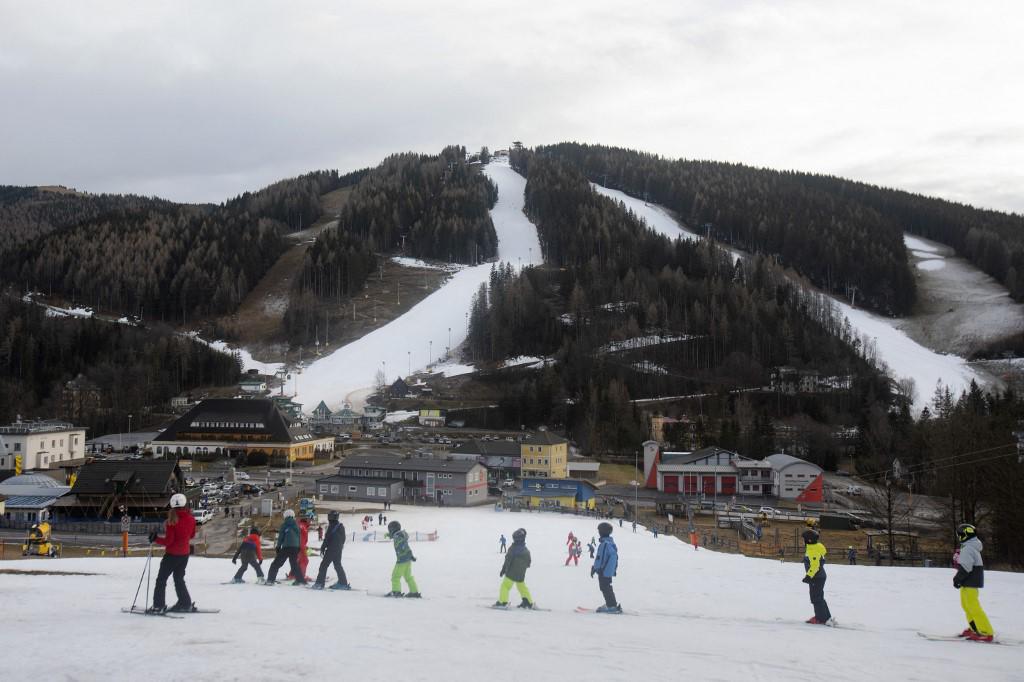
[
  {"x": 605, "y": 565},
  {"x": 178, "y": 531},
  {"x": 969, "y": 578},
  {"x": 403, "y": 563},
  {"x": 287, "y": 549},
  {"x": 303, "y": 558},
  {"x": 330, "y": 550},
  {"x": 572, "y": 553},
  {"x": 814, "y": 565},
  {"x": 513, "y": 572},
  {"x": 251, "y": 553}
]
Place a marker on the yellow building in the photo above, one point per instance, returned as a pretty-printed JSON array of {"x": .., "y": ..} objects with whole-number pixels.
[{"x": 544, "y": 455}]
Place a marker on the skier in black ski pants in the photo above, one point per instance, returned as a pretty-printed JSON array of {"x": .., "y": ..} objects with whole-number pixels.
[{"x": 330, "y": 550}]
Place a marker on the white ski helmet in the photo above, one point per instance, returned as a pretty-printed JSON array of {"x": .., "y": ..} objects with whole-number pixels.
[
  {"x": 178, "y": 500},
  {"x": 289, "y": 514}
]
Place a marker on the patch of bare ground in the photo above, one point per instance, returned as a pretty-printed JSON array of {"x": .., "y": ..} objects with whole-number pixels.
[{"x": 17, "y": 571}]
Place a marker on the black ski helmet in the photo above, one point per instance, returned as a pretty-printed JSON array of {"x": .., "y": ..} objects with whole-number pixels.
[
  {"x": 966, "y": 531},
  {"x": 394, "y": 527},
  {"x": 604, "y": 529},
  {"x": 519, "y": 535},
  {"x": 810, "y": 536},
  {"x": 255, "y": 531},
  {"x": 332, "y": 515}
]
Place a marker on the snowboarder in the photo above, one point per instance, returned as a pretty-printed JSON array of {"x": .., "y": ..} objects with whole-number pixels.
[
  {"x": 969, "y": 578},
  {"x": 851, "y": 555},
  {"x": 814, "y": 576},
  {"x": 251, "y": 553},
  {"x": 502, "y": 542},
  {"x": 403, "y": 563},
  {"x": 605, "y": 565},
  {"x": 513, "y": 572},
  {"x": 303, "y": 557},
  {"x": 287, "y": 549},
  {"x": 178, "y": 532},
  {"x": 331, "y": 550}
]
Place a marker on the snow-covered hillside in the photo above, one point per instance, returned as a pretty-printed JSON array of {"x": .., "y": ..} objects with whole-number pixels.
[
  {"x": 420, "y": 336},
  {"x": 699, "y": 615},
  {"x": 904, "y": 356}
]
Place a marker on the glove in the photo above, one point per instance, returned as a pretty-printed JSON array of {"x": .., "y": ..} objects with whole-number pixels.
[
  {"x": 807, "y": 579},
  {"x": 593, "y": 572},
  {"x": 261, "y": 563},
  {"x": 414, "y": 558},
  {"x": 957, "y": 583},
  {"x": 321, "y": 552},
  {"x": 152, "y": 536},
  {"x": 501, "y": 573},
  {"x": 234, "y": 560}
]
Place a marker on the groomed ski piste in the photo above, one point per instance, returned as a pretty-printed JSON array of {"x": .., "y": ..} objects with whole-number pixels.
[
  {"x": 698, "y": 615},
  {"x": 419, "y": 337}
]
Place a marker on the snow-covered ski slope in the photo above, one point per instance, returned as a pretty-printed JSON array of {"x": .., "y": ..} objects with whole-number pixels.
[
  {"x": 902, "y": 355},
  {"x": 420, "y": 336},
  {"x": 700, "y": 616}
]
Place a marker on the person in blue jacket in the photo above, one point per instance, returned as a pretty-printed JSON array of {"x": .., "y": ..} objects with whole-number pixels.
[{"x": 605, "y": 565}]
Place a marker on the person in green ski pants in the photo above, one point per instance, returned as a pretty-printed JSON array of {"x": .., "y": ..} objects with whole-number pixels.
[
  {"x": 513, "y": 572},
  {"x": 403, "y": 563}
]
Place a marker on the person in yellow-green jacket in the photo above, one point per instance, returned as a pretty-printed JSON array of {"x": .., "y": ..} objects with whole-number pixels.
[
  {"x": 814, "y": 576},
  {"x": 403, "y": 563}
]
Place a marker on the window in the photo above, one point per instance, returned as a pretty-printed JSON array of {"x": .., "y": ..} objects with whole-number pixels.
[
  {"x": 17, "y": 447},
  {"x": 382, "y": 492},
  {"x": 371, "y": 491},
  {"x": 352, "y": 489},
  {"x": 335, "y": 489},
  {"x": 324, "y": 488}
]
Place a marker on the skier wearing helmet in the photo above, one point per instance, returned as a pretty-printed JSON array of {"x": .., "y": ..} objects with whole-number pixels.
[
  {"x": 513, "y": 572},
  {"x": 403, "y": 562},
  {"x": 606, "y": 565},
  {"x": 969, "y": 578},
  {"x": 178, "y": 532},
  {"x": 330, "y": 550},
  {"x": 814, "y": 576}
]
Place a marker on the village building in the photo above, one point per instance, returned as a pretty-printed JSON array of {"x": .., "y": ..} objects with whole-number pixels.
[
  {"x": 432, "y": 418},
  {"x": 230, "y": 427},
  {"x": 395, "y": 478},
  {"x": 544, "y": 454},
  {"x": 564, "y": 493},
  {"x": 29, "y": 498},
  {"x": 29, "y": 445},
  {"x": 106, "y": 490}
]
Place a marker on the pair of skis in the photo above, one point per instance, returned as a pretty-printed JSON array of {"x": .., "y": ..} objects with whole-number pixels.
[
  {"x": 166, "y": 614},
  {"x": 958, "y": 638}
]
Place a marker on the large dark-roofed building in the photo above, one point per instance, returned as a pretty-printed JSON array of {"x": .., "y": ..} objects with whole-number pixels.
[
  {"x": 142, "y": 487},
  {"x": 234, "y": 426},
  {"x": 391, "y": 477}
]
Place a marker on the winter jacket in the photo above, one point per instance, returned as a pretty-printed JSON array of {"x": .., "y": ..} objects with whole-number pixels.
[
  {"x": 303, "y": 533},
  {"x": 971, "y": 572},
  {"x": 606, "y": 563},
  {"x": 288, "y": 534},
  {"x": 177, "y": 535},
  {"x": 517, "y": 560},
  {"x": 814, "y": 560},
  {"x": 334, "y": 539},
  {"x": 250, "y": 548},
  {"x": 402, "y": 552}
]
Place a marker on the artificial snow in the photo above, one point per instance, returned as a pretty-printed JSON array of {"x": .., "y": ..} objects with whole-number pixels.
[
  {"x": 419, "y": 338},
  {"x": 698, "y": 615},
  {"x": 400, "y": 416},
  {"x": 931, "y": 264},
  {"x": 407, "y": 262},
  {"x": 527, "y": 361}
]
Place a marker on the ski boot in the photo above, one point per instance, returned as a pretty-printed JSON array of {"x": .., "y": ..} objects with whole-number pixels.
[
  {"x": 394, "y": 593},
  {"x": 978, "y": 637},
  {"x": 183, "y": 608},
  {"x": 341, "y": 586},
  {"x": 526, "y": 604},
  {"x": 413, "y": 595},
  {"x": 813, "y": 621},
  {"x": 299, "y": 581},
  {"x": 269, "y": 582},
  {"x": 237, "y": 581},
  {"x": 156, "y": 610},
  {"x": 317, "y": 586},
  {"x": 609, "y": 609},
  {"x": 967, "y": 633},
  {"x": 500, "y": 605},
  {"x": 831, "y": 622},
  {"x": 261, "y": 580}
]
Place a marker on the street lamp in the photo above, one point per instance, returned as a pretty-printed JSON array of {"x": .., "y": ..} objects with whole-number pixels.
[
  {"x": 430, "y": 352},
  {"x": 449, "y": 340},
  {"x": 129, "y": 428}
]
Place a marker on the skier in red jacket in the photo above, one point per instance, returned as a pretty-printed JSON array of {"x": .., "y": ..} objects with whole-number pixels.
[
  {"x": 178, "y": 532},
  {"x": 303, "y": 557}
]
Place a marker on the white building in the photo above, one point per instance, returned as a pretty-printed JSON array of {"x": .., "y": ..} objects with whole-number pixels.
[
  {"x": 40, "y": 444},
  {"x": 791, "y": 475}
]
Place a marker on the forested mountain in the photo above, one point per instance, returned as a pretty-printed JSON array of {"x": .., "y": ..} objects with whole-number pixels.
[
  {"x": 130, "y": 368},
  {"x": 156, "y": 259},
  {"x": 719, "y": 326},
  {"x": 837, "y": 243},
  {"x": 991, "y": 240},
  {"x": 422, "y": 206}
]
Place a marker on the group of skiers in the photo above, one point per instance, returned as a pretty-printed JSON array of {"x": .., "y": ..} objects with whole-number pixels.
[{"x": 292, "y": 536}]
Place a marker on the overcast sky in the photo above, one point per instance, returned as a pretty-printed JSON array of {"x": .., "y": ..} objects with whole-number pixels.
[{"x": 198, "y": 101}]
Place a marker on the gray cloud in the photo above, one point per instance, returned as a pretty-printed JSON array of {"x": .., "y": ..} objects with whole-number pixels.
[{"x": 199, "y": 101}]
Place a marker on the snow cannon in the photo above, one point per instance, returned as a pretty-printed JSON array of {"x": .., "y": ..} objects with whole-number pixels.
[{"x": 37, "y": 542}]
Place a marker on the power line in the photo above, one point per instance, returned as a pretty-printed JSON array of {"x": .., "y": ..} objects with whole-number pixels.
[{"x": 930, "y": 465}]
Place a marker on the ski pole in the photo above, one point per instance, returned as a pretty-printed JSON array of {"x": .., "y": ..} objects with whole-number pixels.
[{"x": 144, "y": 568}]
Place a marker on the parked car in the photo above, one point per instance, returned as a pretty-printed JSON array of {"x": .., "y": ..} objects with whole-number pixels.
[
  {"x": 241, "y": 476},
  {"x": 770, "y": 511},
  {"x": 202, "y": 515},
  {"x": 854, "y": 490}
]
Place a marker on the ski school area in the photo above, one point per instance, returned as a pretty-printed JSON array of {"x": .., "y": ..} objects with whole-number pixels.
[{"x": 689, "y": 613}]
